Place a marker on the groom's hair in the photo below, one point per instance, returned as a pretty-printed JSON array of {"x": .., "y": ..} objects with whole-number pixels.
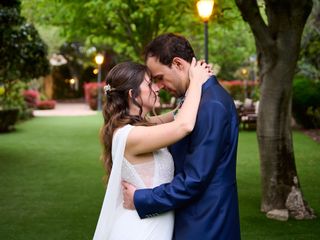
[{"x": 167, "y": 46}]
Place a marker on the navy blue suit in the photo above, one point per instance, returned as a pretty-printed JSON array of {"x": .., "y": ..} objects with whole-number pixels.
[{"x": 203, "y": 192}]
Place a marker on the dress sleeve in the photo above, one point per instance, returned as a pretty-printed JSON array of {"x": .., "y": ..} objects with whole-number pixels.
[{"x": 208, "y": 140}]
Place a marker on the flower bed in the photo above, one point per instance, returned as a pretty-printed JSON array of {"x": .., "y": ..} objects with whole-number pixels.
[
  {"x": 237, "y": 88},
  {"x": 33, "y": 100},
  {"x": 46, "y": 104}
]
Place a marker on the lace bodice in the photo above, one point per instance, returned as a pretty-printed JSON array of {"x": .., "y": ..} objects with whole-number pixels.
[{"x": 149, "y": 174}]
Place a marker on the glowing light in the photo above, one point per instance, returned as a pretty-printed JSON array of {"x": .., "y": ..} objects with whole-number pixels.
[
  {"x": 99, "y": 59},
  {"x": 72, "y": 81},
  {"x": 205, "y": 8},
  {"x": 244, "y": 71}
]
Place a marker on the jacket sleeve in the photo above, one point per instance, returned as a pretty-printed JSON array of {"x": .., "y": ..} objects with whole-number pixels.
[{"x": 208, "y": 140}]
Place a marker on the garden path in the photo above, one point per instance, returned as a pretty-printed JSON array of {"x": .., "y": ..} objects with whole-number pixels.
[{"x": 66, "y": 109}]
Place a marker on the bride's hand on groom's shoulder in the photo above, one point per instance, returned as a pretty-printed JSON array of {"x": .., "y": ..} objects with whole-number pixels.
[
  {"x": 199, "y": 71},
  {"x": 128, "y": 192}
]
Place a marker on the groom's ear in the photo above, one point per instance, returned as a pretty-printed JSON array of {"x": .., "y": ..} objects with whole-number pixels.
[{"x": 177, "y": 63}]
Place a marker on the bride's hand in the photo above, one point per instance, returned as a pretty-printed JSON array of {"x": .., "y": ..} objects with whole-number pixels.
[
  {"x": 128, "y": 193},
  {"x": 199, "y": 71}
]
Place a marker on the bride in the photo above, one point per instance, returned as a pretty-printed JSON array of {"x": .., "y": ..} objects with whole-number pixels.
[{"x": 135, "y": 146}]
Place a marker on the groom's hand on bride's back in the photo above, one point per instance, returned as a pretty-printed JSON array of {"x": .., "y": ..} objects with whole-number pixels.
[{"x": 128, "y": 192}]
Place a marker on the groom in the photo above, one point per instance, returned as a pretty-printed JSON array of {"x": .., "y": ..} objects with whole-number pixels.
[{"x": 203, "y": 193}]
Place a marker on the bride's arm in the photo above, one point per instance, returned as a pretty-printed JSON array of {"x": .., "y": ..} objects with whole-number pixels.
[
  {"x": 162, "y": 118},
  {"x": 144, "y": 139}
]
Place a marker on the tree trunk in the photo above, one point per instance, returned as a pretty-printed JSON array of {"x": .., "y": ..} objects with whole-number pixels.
[
  {"x": 278, "y": 45},
  {"x": 48, "y": 86}
]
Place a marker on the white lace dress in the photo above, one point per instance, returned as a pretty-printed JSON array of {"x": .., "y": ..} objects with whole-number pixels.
[{"x": 117, "y": 223}]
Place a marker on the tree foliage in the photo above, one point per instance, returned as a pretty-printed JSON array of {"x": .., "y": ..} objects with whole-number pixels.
[
  {"x": 127, "y": 26},
  {"x": 23, "y": 55},
  {"x": 231, "y": 41},
  {"x": 22, "y": 52},
  {"x": 309, "y": 63}
]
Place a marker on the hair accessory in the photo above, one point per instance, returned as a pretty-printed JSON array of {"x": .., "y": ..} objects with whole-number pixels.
[{"x": 107, "y": 88}]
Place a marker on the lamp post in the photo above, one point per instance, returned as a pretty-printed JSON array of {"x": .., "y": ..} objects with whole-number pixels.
[
  {"x": 205, "y": 8},
  {"x": 244, "y": 73},
  {"x": 99, "y": 60}
]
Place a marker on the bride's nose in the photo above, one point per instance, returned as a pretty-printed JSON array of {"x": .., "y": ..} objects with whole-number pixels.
[{"x": 155, "y": 88}]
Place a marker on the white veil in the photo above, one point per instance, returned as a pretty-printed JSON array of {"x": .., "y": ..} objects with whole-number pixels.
[{"x": 113, "y": 196}]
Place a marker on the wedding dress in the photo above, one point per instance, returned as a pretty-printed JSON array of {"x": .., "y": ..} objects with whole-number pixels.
[{"x": 118, "y": 223}]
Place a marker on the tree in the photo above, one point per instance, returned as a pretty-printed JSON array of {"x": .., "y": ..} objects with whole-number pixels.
[
  {"x": 277, "y": 42},
  {"x": 22, "y": 52}
]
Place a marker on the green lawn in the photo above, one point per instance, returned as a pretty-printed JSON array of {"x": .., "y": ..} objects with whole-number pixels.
[{"x": 51, "y": 182}]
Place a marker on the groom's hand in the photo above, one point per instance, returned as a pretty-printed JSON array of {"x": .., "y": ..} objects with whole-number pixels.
[{"x": 128, "y": 192}]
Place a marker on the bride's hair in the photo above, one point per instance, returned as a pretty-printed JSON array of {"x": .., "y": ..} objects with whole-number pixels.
[{"x": 120, "y": 80}]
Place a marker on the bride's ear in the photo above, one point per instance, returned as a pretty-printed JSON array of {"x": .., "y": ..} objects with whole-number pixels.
[
  {"x": 131, "y": 96},
  {"x": 130, "y": 93}
]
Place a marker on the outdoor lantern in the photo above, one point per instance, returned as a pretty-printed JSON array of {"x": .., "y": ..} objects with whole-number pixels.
[
  {"x": 99, "y": 59},
  {"x": 205, "y": 8}
]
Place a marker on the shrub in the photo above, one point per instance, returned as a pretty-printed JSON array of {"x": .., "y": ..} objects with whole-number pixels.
[
  {"x": 23, "y": 56},
  {"x": 8, "y": 118},
  {"x": 91, "y": 94},
  {"x": 13, "y": 106},
  {"x": 165, "y": 96},
  {"x": 31, "y": 97},
  {"x": 13, "y": 98},
  {"x": 306, "y": 102}
]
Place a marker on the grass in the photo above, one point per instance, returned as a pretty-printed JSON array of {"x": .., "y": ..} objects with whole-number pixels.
[
  {"x": 51, "y": 182},
  {"x": 50, "y": 178},
  {"x": 254, "y": 224}
]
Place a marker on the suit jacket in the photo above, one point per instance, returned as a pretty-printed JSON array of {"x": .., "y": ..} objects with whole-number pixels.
[{"x": 203, "y": 192}]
